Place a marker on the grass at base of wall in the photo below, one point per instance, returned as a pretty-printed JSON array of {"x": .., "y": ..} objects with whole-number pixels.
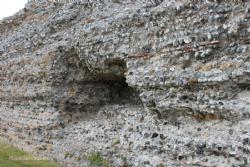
[
  {"x": 96, "y": 159},
  {"x": 13, "y": 157}
]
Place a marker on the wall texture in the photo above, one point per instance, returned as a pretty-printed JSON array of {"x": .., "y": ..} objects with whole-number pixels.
[{"x": 142, "y": 82}]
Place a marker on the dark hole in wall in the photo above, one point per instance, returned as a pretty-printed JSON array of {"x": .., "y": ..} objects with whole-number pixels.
[
  {"x": 122, "y": 93},
  {"x": 107, "y": 87}
]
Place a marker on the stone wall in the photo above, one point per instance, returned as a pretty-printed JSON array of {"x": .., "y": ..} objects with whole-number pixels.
[{"x": 144, "y": 83}]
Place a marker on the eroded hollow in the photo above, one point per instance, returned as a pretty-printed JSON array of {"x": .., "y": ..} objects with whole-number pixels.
[
  {"x": 121, "y": 93},
  {"x": 113, "y": 77},
  {"x": 106, "y": 86}
]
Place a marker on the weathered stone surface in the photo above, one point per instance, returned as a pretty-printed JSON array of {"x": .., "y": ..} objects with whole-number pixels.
[{"x": 145, "y": 83}]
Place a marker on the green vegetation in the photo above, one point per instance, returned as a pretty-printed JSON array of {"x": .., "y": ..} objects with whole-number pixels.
[
  {"x": 96, "y": 159},
  {"x": 12, "y": 157}
]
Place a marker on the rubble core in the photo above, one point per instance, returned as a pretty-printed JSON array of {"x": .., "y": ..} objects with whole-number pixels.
[{"x": 139, "y": 82}]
